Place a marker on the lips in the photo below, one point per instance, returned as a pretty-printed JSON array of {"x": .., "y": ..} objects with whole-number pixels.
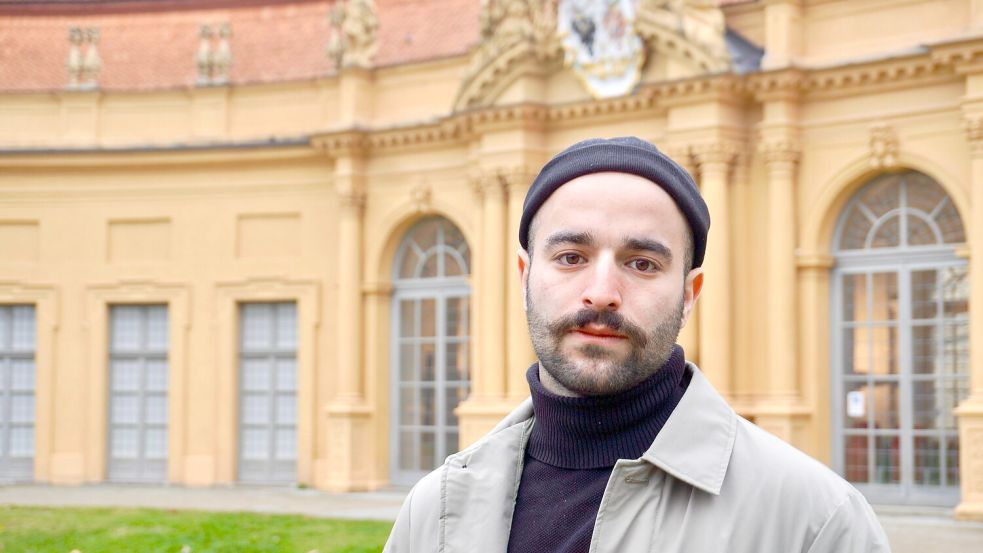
[{"x": 602, "y": 333}]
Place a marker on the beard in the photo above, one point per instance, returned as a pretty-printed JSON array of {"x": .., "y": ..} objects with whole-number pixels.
[{"x": 600, "y": 371}]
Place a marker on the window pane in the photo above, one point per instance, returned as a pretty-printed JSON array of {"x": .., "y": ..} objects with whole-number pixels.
[
  {"x": 286, "y": 326},
  {"x": 455, "y": 395},
  {"x": 407, "y": 362},
  {"x": 886, "y": 404},
  {"x": 255, "y": 374},
  {"x": 452, "y": 444},
  {"x": 955, "y": 292},
  {"x": 428, "y": 406},
  {"x": 424, "y": 234},
  {"x": 286, "y": 409},
  {"x": 955, "y": 349},
  {"x": 923, "y": 193},
  {"x": 429, "y": 269},
  {"x": 952, "y": 461},
  {"x": 257, "y": 326},
  {"x": 928, "y": 466},
  {"x": 156, "y": 409},
  {"x": 855, "y": 297},
  {"x": 923, "y": 350},
  {"x": 21, "y": 375},
  {"x": 882, "y": 195},
  {"x": 22, "y": 408},
  {"x": 457, "y": 317},
  {"x": 950, "y": 224},
  {"x": 22, "y": 323},
  {"x": 156, "y": 327},
  {"x": 256, "y": 409},
  {"x": 22, "y": 441},
  {"x": 428, "y": 317},
  {"x": 255, "y": 444},
  {"x": 407, "y": 318},
  {"x": 856, "y": 458},
  {"x": 884, "y": 346},
  {"x": 125, "y": 443},
  {"x": 125, "y": 328},
  {"x": 927, "y": 415},
  {"x": 855, "y": 230},
  {"x": 452, "y": 267},
  {"x": 286, "y": 444},
  {"x": 885, "y": 296},
  {"x": 156, "y": 443},
  {"x": 887, "y": 466},
  {"x": 125, "y": 409},
  {"x": 156, "y": 375},
  {"x": 428, "y": 450},
  {"x": 457, "y": 362},
  {"x": 919, "y": 232},
  {"x": 924, "y": 295},
  {"x": 126, "y": 374},
  {"x": 408, "y": 408},
  {"x": 407, "y": 267},
  {"x": 888, "y": 235},
  {"x": 428, "y": 362},
  {"x": 286, "y": 375},
  {"x": 856, "y": 405},
  {"x": 407, "y": 451}
]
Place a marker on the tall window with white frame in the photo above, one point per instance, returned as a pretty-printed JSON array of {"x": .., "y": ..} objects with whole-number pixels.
[
  {"x": 138, "y": 391},
  {"x": 431, "y": 339},
  {"x": 17, "y": 392},
  {"x": 900, "y": 341},
  {"x": 268, "y": 393}
]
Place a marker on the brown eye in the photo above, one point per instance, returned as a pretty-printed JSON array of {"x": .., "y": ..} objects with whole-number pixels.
[
  {"x": 643, "y": 265},
  {"x": 570, "y": 259}
]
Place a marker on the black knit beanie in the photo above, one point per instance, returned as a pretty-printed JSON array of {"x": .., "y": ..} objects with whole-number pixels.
[{"x": 623, "y": 155}]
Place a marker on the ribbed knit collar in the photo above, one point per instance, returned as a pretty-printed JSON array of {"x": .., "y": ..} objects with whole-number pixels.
[{"x": 594, "y": 432}]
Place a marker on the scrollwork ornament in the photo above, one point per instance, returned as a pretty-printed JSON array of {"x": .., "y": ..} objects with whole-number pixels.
[
  {"x": 974, "y": 135},
  {"x": 883, "y": 147}
]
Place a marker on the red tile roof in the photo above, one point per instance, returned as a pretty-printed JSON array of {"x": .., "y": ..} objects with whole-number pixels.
[{"x": 148, "y": 45}]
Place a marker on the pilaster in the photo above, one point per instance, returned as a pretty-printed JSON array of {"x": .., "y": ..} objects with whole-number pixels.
[
  {"x": 716, "y": 160},
  {"x": 487, "y": 403},
  {"x": 783, "y": 33},
  {"x": 970, "y": 411},
  {"x": 348, "y": 412},
  {"x": 520, "y": 353}
]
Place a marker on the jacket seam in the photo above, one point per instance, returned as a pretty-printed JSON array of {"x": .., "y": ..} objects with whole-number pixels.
[{"x": 442, "y": 524}]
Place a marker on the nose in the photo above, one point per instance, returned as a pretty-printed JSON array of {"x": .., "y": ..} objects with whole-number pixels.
[{"x": 603, "y": 291}]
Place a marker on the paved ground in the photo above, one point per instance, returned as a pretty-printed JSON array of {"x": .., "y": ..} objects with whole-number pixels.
[{"x": 910, "y": 531}]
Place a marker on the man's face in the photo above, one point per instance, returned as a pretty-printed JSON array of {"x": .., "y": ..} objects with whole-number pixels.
[{"x": 607, "y": 293}]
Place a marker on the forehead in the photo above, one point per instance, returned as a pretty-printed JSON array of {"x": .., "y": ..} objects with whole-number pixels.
[{"x": 619, "y": 204}]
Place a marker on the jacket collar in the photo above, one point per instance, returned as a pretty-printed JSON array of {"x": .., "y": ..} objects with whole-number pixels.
[{"x": 696, "y": 442}]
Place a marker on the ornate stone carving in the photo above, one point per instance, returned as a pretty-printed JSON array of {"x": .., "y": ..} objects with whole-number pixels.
[
  {"x": 351, "y": 198},
  {"x": 974, "y": 134},
  {"x": 883, "y": 147},
  {"x": 716, "y": 156},
  {"x": 780, "y": 154},
  {"x": 489, "y": 182},
  {"x": 701, "y": 21},
  {"x": 421, "y": 195},
  {"x": 214, "y": 55},
  {"x": 83, "y": 62},
  {"x": 355, "y": 33}
]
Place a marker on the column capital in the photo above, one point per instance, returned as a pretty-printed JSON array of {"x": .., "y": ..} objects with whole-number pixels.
[
  {"x": 349, "y": 195},
  {"x": 490, "y": 182},
  {"x": 779, "y": 153},
  {"x": 719, "y": 155}
]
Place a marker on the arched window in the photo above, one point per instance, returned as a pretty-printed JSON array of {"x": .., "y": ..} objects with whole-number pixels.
[
  {"x": 430, "y": 346},
  {"x": 900, "y": 341}
]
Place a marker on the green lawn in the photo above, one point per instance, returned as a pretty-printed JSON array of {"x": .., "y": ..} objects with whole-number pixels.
[{"x": 61, "y": 530}]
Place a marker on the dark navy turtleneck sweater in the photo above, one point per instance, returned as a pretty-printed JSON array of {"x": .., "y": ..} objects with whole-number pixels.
[{"x": 573, "y": 447}]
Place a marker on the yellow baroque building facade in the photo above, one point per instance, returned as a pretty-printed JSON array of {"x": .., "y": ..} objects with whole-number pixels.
[{"x": 311, "y": 279}]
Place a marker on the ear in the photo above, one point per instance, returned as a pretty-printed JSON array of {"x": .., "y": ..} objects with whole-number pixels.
[
  {"x": 522, "y": 257},
  {"x": 691, "y": 291}
]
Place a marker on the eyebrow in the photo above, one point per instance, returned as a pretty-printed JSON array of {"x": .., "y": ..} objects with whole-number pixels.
[
  {"x": 648, "y": 245},
  {"x": 569, "y": 237}
]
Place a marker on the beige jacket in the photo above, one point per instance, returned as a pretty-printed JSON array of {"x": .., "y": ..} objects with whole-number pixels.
[{"x": 710, "y": 482}]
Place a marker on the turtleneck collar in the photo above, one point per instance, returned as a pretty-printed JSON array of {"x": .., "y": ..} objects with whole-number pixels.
[{"x": 596, "y": 431}]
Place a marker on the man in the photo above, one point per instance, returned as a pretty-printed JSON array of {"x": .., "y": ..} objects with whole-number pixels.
[{"x": 624, "y": 447}]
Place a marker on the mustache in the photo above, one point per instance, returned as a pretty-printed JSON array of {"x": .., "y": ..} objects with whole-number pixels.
[{"x": 611, "y": 319}]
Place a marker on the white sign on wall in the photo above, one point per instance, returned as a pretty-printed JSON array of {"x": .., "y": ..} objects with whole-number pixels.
[
  {"x": 856, "y": 403},
  {"x": 600, "y": 44}
]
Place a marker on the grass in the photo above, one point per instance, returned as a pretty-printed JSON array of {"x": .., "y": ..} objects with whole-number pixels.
[{"x": 98, "y": 530}]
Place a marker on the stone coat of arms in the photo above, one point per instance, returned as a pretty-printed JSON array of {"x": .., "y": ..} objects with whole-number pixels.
[{"x": 600, "y": 44}]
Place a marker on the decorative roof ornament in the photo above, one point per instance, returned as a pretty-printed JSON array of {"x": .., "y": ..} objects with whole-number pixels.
[
  {"x": 91, "y": 63},
  {"x": 214, "y": 55},
  {"x": 355, "y": 33},
  {"x": 74, "y": 61},
  {"x": 600, "y": 44},
  {"x": 83, "y": 62}
]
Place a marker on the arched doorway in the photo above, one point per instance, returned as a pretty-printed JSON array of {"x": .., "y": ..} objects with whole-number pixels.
[
  {"x": 430, "y": 347},
  {"x": 900, "y": 341}
]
